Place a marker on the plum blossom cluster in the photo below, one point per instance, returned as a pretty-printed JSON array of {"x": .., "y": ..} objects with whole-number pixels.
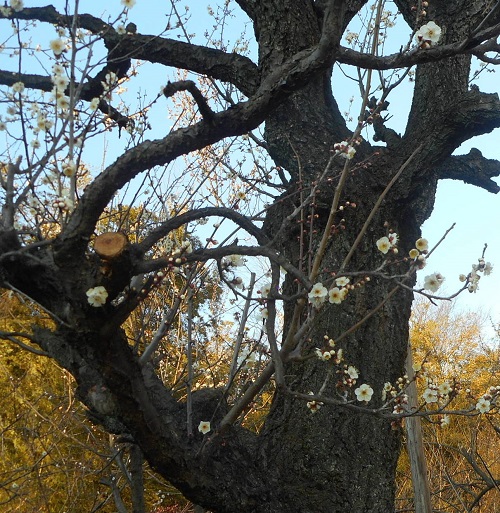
[
  {"x": 417, "y": 254},
  {"x": 230, "y": 262},
  {"x": 395, "y": 394},
  {"x": 428, "y": 35},
  {"x": 313, "y": 405},
  {"x": 15, "y": 5},
  {"x": 109, "y": 83},
  {"x": 388, "y": 243},
  {"x": 319, "y": 293},
  {"x": 433, "y": 282},
  {"x": 345, "y": 150},
  {"x": 63, "y": 202},
  {"x": 489, "y": 400},
  {"x": 264, "y": 290},
  {"x": 472, "y": 279},
  {"x": 177, "y": 254},
  {"x": 439, "y": 394},
  {"x": 247, "y": 359},
  {"x": 329, "y": 353},
  {"x": 60, "y": 82},
  {"x": 97, "y": 296},
  {"x": 348, "y": 374}
]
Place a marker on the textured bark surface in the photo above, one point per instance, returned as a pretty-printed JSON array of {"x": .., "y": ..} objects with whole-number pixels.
[{"x": 337, "y": 460}]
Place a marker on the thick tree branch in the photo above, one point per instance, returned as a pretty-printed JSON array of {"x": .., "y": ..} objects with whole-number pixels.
[
  {"x": 176, "y": 222},
  {"x": 472, "y": 168},
  {"x": 228, "y": 67},
  {"x": 188, "y": 85},
  {"x": 88, "y": 91},
  {"x": 417, "y": 56}
]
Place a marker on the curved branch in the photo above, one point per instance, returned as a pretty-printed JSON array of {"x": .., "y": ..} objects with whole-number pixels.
[
  {"x": 188, "y": 85},
  {"x": 13, "y": 337},
  {"x": 472, "y": 168},
  {"x": 192, "y": 215},
  {"x": 416, "y": 56},
  {"x": 218, "y": 253},
  {"x": 228, "y": 67}
]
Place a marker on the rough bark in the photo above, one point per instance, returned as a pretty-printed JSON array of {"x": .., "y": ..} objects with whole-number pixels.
[{"x": 337, "y": 459}]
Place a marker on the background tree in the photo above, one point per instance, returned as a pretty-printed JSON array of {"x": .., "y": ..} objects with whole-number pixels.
[
  {"x": 340, "y": 207},
  {"x": 461, "y": 453}
]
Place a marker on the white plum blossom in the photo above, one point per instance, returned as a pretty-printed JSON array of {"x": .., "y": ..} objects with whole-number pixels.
[
  {"x": 429, "y": 34},
  {"x": 364, "y": 393},
  {"x": 234, "y": 260},
  {"x": 345, "y": 150},
  {"x": 246, "y": 359},
  {"x": 187, "y": 247},
  {"x": 387, "y": 388},
  {"x": 60, "y": 82},
  {"x": 317, "y": 295},
  {"x": 384, "y": 245},
  {"x": 265, "y": 289},
  {"x": 63, "y": 102},
  {"x": 414, "y": 253},
  {"x": 128, "y": 3},
  {"x": 16, "y": 5},
  {"x": 43, "y": 123},
  {"x": 352, "y": 372},
  {"x": 433, "y": 281},
  {"x": 18, "y": 87},
  {"x": 393, "y": 238},
  {"x": 94, "y": 103},
  {"x": 69, "y": 168},
  {"x": 238, "y": 283},
  {"x": 314, "y": 406},
  {"x": 97, "y": 296},
  {"x": 445, "y": 421},
  {"x": 57, "y": 69},
  {"x": 473, "y": 280},
  {"x": 324, "y": 355},
  {"x": 263, "y": 314},
  {"x": 57, "y": 46},
  {"x": 204, "y": 427},
  {"x": 342, "y": 281},
  {"x": 430, "y": 395},
  {"x": 422, "y": 244},
  {"x": 444, "y": 388},
  {"x": 483, "y": 405},
  {"x": 335, "y": 295}
]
